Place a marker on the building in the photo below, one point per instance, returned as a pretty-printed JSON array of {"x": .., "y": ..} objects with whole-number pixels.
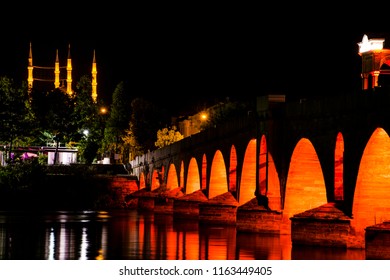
[
  {"x": 375, "y": 63},
  {"x": 60, "y": 76}
]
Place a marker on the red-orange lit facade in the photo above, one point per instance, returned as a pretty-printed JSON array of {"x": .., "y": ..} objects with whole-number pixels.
[{"x": 375, "y": 61}]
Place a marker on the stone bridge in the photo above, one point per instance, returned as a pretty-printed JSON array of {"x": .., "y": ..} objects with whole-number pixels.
[{"x": 324, "y": 161}]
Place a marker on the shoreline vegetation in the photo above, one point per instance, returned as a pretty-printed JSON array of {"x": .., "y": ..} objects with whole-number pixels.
[{"x": 29, "y": 185}]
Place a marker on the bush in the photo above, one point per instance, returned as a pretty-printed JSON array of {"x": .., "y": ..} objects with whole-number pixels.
[{"x": 24, "y": 174}]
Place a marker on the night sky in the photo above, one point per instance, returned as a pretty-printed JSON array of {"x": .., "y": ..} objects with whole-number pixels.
[{"x": 182, "y": 59}]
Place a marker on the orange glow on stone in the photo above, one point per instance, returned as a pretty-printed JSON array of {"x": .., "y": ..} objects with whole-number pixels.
[
  {"x": 339, "y": 168},
  {"x": 273, "y": 192},
  {"x": 193, "y": 179},
  {"x": 142, "y": 183},
  {"x": 248, "y": 177},
  {"x": 263, "y": 166},
  {"x": 155, "y": 180},
  {"x": 371, "y": 202},
  {"x": 181, "y": 174},
  {"x": 204, "y": 172},
  {"x": 305, "y": 187},
  {"x": 172, "y": 181},
  {"x": 218, "y": 178},
  {"x": 233, "y": 170}
]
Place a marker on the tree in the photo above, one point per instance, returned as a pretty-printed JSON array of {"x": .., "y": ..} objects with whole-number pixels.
[
  {"x": 167, "y": 137},
  {"x": 16, "y": 121},
  {"x": 88, "y": 118},
  {"x": 130, "y": 141},
  {"x": 146, "y": 119},
  {"x": 118, "y": 121},
  {"x": 54, "y": 111}
]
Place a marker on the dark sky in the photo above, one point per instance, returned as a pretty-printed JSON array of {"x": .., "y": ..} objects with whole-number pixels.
[{"x": 183, "y": 59}]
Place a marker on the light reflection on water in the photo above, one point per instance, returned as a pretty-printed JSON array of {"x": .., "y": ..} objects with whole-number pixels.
[{"x": 128, "y": 234}]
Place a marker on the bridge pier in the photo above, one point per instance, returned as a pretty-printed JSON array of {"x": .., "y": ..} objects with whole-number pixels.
[
  {"x": 221, "y": 209},
  {"x": 159, "y": 201},
  {"x": 377, "y": 239},
  {"x": 144, "y": 200},
  {"x": 254, "y": 218},
  {"x": 322, "y": 226},
  {"x": 164, "y": 200},
  {"x": 187, "y": 206}
]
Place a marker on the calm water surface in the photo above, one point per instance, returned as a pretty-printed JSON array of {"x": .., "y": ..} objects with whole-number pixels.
[{"x": 129, "y": 234}]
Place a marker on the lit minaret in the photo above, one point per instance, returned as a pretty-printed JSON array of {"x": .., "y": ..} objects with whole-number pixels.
[
  {"x": 94, "y": 80},
  {"x": 30, "y": 68},
  {"x": 57, "y": 72},
  {"x": 69, "y": 74}
]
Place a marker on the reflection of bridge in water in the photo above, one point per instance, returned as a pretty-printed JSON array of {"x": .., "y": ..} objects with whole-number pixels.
[{"x": 332, "y": 152}]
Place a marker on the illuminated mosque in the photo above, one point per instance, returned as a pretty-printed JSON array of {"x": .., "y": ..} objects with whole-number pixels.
[{"x": 56, "y": 74}]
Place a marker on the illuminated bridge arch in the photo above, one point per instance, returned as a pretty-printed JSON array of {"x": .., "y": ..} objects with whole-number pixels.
[
  {"x": 193, "y": 178},
  {"x": 339, "y": 168},
  {"x": 172, "y": 177},
  {"x": 218, "y": 179},
  {"x": 371, "y": 202},
  {"x": 305, "y": 187},
  {"x": 248, "y": 174}
]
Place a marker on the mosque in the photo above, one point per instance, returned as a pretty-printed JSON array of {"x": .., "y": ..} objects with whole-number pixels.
[
  {"x": 56, "y": 76},
  {"x": 60, "y": 76}
]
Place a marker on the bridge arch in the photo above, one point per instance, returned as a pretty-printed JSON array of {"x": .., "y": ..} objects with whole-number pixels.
[
  {"x": 204, "y": 173},
  {"x": 181, "y": 179},
  {"x": 172, "y": 177},
  {"x": 248, "y": 174},
  {"x": 305, "y": 187},
  {"x": 233, "y": 171},
  {"x": 371, "y": 199},
  {"x": 218, "y": 179},
  {"x": 193, "y": 178},
  {"x": 142, "y": 181},
  {"x": 339, "y": 168},
  {"x": 155, "y": 180}
]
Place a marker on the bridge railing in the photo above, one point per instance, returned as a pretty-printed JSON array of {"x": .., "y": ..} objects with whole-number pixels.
[
  {"x": 338, "y": 105},
  {"x": 194, "y": 141}
]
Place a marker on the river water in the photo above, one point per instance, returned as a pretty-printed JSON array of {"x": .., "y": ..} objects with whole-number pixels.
[{"x": 134, "y": 235}]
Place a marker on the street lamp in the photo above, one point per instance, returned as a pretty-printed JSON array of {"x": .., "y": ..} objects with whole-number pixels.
[{"x": 103, "y": 110}]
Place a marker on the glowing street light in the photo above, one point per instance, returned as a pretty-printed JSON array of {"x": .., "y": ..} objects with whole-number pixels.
[{"x": 103, "y": 110}]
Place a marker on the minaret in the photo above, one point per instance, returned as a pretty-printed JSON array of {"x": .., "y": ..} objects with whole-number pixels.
[
  {"x": 94, "y": 80},
  {"x": 69, "y": 74},
  {"x": 57, "y": 72},
  {"x": 30, "y": 68}
]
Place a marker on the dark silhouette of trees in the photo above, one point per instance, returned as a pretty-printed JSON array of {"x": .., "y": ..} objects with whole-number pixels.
[
  {"x": 54, "y": 112},
  {"x": 15, "y": 116},
  {"x": 90, "y": 122},
  {"x": 146, "y": 119},
  {"x": 117, "y": 123}
]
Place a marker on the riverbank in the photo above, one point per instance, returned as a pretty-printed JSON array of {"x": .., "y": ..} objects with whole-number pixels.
[{"x": 75, "y": 187}]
